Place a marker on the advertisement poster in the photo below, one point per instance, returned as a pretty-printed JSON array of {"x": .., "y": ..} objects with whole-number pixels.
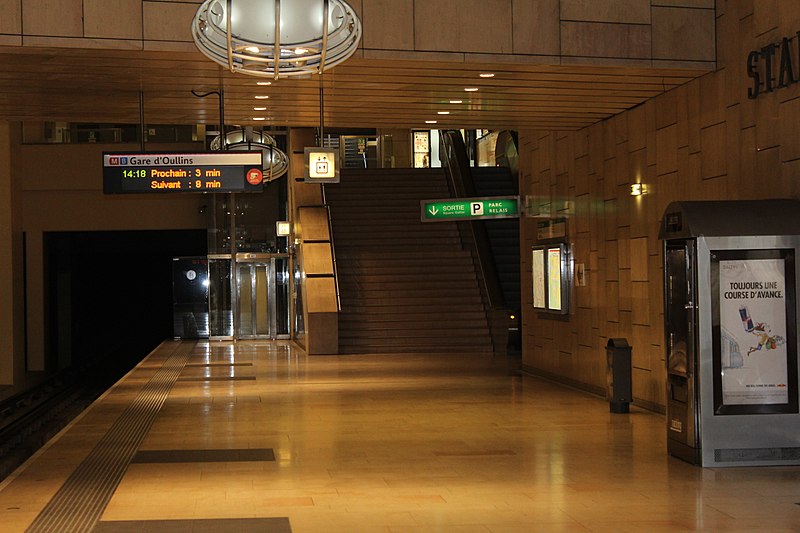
[
  {"x": 753, "y": 322},
  {"x": 421, "y": 143},
  {"x": 538, "y": 279},
  {"x": 554, "y": 278}
]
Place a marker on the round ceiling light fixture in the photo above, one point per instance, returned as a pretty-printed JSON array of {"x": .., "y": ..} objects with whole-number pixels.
[
  {"x": 276, "y": 39},
  {"x": 275, "y": 162}
]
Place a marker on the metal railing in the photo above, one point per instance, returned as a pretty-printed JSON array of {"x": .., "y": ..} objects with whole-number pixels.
[{"x": 333, "y": 255}]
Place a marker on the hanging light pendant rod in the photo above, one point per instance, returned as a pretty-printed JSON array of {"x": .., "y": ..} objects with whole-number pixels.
[
  {"x": 221, "y": 95},
  {"x": 277, "y": 53},
  {"x": 324, "y": 49}
]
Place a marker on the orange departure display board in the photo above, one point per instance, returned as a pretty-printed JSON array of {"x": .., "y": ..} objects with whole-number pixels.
[{"x": 237, "y": 171}]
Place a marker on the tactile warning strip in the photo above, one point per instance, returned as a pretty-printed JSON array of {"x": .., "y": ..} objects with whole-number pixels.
[{"x": 79, "y": 503}]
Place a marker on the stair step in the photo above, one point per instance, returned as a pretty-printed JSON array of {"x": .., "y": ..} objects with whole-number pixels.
[
  {"x": 442, "y": 302},
  {"x": 426, "y": 350},
  {"x": 411, "y": 325},
  {"x": 405, "y": 286},
  {"x": 405, "y": 313},
  {"x": 412, "y": 341},
  {"x": 407, "y": 278}
]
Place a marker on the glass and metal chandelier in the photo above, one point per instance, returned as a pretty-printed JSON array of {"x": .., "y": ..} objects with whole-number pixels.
[
  {"x": 275, "y": 39},
  {"x": 275, "y": 161}
]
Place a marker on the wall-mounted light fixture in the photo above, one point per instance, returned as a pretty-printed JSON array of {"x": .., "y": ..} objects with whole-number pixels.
[{"x": 638, "y": 189}]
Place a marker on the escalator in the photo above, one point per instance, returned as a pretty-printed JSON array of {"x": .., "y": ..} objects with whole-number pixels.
[{"x": 496, "y": 241}]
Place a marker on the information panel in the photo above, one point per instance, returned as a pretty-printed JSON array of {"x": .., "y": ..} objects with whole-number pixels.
[
  {"x": 554, "y": 256},
  {"x": 755, "y": 356},
  {"x": 237, "y": 171},
  {"x": 551, "y": 277},
  {"x": 539, "y": 270}
]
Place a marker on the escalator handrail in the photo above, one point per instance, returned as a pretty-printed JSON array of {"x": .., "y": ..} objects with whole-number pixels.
[{"x": 463, "y": 186}]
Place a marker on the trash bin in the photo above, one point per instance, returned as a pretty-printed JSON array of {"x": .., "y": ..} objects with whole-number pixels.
[
  {"x": 618, "y": 375},
  {"x": 514, "y": 343}
]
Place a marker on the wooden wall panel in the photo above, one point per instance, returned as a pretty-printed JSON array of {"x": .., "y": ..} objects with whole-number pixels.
[
  {"x": 683, "y": 33},
  {"x": 112, "y": 19},
  {"x": 54, "y": 18},
  {"x": 463, "y": 26},
  {"x": 536, "y": 27},
  {"x": 705, "y": 140},
  {"x": 667, "y": 150},
  {"x": 621, "y": 11},
  {"x": 597, "y": 39},
  {"x": 388, "y": 24},
  {"x": 554, "y": 32},
  {"x": 168, "y": 21},
  {"x": 11, "y": 21},
  {"x": 713, "y": 154}
]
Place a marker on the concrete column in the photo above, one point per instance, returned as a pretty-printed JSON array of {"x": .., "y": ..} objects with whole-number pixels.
[{"x": 12, "y": 331}]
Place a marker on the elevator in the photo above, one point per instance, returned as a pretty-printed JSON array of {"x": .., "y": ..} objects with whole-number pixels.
[{"x": 262, "y": 282}]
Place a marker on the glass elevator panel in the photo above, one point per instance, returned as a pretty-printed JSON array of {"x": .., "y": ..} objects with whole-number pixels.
[{"x": 219, "y": 297}]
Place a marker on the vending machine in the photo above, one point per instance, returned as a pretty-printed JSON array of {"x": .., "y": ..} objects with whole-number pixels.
[{"x": 730, "y": 316}]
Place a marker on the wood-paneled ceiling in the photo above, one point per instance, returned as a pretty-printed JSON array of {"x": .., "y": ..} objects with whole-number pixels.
[{"x": 104, "y": 86}]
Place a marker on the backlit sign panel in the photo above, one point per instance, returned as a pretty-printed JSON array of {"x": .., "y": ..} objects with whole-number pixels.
[{"x": 182, "y": 172}]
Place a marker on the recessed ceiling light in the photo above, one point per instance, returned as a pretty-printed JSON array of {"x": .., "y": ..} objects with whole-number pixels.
[
  {"x": 430, "y": 122},
  {"x": 259, "y": 109},
  {"x": 443, "y": 112},
  {"x": 259, "y": 118},
  {"x": 456, "y": 101},
  {"x": 261, "y": 97},
  {"x": 486, "y": 75},
  {"x": 470, "y": 89},
  {"x": 263, "y": 83}
]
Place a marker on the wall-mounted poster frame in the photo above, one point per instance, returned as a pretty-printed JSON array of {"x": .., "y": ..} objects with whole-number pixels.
[
  {"x": 422, "y": 149},
  {"x": 753, "y": 304},
  {"x": 552, "y": 277}
]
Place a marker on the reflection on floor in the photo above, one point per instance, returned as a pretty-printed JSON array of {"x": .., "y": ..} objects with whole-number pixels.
[{"x": 276, "y": 441}]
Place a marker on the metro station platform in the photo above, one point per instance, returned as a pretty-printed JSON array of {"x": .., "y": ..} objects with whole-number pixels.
[{"x": 257, "y": 437}]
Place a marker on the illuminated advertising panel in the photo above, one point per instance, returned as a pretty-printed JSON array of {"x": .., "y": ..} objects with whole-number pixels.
[
  {"x": 755, "y": 354},
  {"x": 554, "y": 255},
  {"x": 551, "y": 278},
  {"x": 538, "y": 266}
]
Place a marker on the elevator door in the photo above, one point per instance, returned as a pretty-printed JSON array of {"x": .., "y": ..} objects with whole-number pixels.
[
  {"x": 256, "y": 300},
  {"x": 263, "y": 302}
]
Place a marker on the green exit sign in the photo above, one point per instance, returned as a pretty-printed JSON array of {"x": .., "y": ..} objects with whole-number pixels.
[{"x": 469, "y": 208}]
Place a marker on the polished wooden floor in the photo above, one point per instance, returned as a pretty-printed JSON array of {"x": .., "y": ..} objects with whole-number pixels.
[{"x": 257, "y": 436}]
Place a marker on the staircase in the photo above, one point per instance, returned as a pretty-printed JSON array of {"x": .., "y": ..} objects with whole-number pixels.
[{"x": 405, "y": 286}]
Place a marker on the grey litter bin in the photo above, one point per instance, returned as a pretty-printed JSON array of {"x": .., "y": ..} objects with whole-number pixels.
[{"x": 618, "y": 375}]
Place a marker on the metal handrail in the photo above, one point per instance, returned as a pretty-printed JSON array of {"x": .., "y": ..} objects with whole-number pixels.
[
  {"x": 333, "y": 257},
  {"x": 333, "y": 249}
]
